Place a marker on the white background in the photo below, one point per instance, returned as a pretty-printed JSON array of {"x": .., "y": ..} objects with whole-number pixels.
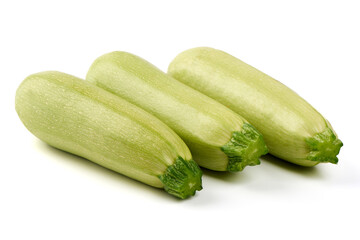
[{"x": 311, "y": 46}]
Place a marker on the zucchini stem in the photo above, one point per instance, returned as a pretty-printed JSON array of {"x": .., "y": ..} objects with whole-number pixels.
[
  {"x": 244, "y": 148},
  {"x": 182, "y": 179},
  {"x": 324, "y": 146}
]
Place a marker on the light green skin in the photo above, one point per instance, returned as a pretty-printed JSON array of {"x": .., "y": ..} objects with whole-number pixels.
[
  {"x": 285, "y": 119},
  {"x": 78, "y": 117},
  {"x": 204, "y": 124}
]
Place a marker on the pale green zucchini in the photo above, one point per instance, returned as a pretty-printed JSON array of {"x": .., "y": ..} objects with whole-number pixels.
[
  {"x": 293, "y": 130},
  {"x": 218, "y": 138},
  {"x": 75, "y": 116}
]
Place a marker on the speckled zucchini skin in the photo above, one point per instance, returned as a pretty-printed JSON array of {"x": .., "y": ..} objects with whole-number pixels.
[
  {"x": 293, "y": 130},
  {"x": 206, "y": 126},
  {"x": 78, "y": 117}
]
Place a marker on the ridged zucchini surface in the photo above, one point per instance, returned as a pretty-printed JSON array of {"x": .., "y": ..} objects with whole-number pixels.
[
  {"x": 293, "y": 130},
  {"x": 218, "y": 138},
  {"x": 75, "y": 116}
]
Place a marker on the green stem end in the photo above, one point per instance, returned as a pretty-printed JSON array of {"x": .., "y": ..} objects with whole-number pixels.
[
  {"x": 182, "y": 179},
  {"x": 324, "y": 147},
  {"x": 244, "y": 148}
]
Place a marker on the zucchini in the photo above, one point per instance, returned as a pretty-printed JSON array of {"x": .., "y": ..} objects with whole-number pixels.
[
  {"x": 218, "y": 138},
  {"x": 75, "y": 116},
  {"x": 293, "y": 130}
]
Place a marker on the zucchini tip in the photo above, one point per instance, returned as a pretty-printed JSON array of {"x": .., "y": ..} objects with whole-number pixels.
[
  {"x": 244, "y": 148},
  {"x": 182, "y": 179},
  {"x": 324, "y": 147}
]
